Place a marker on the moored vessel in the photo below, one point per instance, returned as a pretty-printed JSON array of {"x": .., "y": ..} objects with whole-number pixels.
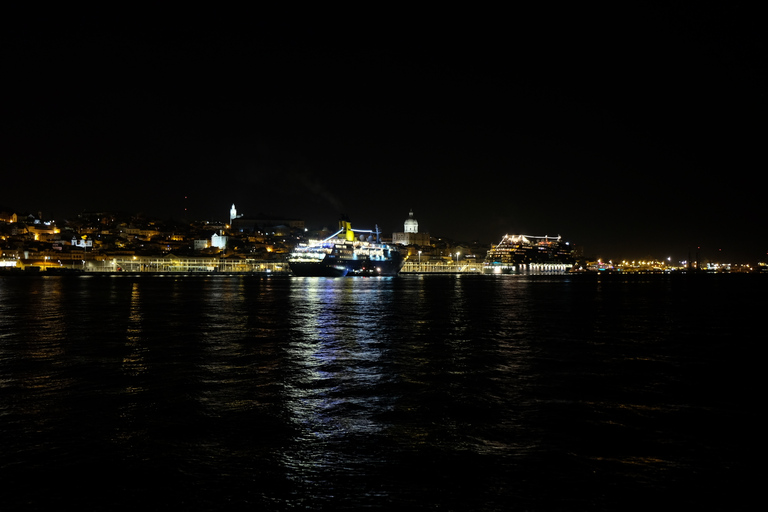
[
  {"x": 348, "y": 252},
  {"x": 523, "y": 253}
]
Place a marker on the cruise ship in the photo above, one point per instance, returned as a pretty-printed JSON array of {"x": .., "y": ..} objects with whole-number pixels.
[
  {"x": 348, "y": 252},
  {"x": 524, "y": 253}
]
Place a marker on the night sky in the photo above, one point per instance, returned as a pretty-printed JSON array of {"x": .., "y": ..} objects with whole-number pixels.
[{"x": 634, "y": 133}]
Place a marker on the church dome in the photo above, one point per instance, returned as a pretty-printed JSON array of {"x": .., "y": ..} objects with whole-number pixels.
[{"x": 411, "y": 224}]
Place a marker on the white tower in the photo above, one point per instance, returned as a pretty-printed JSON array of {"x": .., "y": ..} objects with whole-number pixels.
[
  {"x": 411, "y": 225},
  {"x": 232, "y": 213}
]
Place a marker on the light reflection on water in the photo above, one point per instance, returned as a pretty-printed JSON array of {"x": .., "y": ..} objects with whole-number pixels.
[
  {"x": 452, "y": 391},
  {"x": 333, "y": 392}
]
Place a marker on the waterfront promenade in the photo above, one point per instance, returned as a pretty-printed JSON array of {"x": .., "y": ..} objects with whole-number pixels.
[
  {"x": 151, "y": 264},
  {"x": 202, "y": 265}
]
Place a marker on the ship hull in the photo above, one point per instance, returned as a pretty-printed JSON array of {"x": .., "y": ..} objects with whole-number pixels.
[
  {"x": 535, "y": 268},
  {"x": 333, "y": 267},
  {"x": 388, "y": 267},
  {"x": 318, "y": 269}
]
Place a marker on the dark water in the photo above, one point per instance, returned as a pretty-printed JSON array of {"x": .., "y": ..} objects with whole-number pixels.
[{"x": 429, "y": 393}]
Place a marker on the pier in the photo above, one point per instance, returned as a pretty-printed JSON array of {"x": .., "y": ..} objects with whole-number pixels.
[
  {"x": 411, "y": 267},
  {"x": 414, "y": 267}
]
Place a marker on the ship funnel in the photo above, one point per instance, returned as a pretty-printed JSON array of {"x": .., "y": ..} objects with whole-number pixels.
[{"x": 345, "y": 227}]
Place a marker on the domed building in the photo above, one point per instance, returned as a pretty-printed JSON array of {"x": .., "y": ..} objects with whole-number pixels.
[
  {"x": 410, "y": 234},
  {"x": 411, "y": 225}
]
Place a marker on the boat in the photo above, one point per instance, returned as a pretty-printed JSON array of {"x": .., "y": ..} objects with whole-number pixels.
[
  {"x": 348, "y": 252},
  {"x": 516, "y": 254}
]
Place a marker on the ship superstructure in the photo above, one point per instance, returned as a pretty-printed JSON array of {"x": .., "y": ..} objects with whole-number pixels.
[
  {"x": 348, "y": 252},
  {"x": 525, "y": 253}
]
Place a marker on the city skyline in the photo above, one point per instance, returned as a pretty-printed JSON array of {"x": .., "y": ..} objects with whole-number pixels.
[
  {"x": 635, "y": 137},
  {"x": 162, "y": 231}
]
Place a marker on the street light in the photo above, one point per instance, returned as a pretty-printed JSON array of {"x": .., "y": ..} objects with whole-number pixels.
[{"x": 457, "y": 259}]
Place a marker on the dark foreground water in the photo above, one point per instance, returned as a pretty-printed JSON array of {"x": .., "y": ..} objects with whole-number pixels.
[{"x": 433, "y": 393}]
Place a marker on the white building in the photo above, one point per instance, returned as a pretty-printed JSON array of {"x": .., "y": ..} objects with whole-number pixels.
[
  {"x": 233, "y": 214},
  {"x": 410, "y": 234},
  {"x": 219, "y": 241},
  {"x": 82, "y": 242}
]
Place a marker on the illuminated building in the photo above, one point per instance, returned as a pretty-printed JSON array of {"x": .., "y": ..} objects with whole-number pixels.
[
  {"x": 219, "y": 241},
  {"x": 6, "y": 215},
  {"x": 82, "y": 241},
  {"x": 410, "y": 234},
  {"x": 233, "y": 214}
]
